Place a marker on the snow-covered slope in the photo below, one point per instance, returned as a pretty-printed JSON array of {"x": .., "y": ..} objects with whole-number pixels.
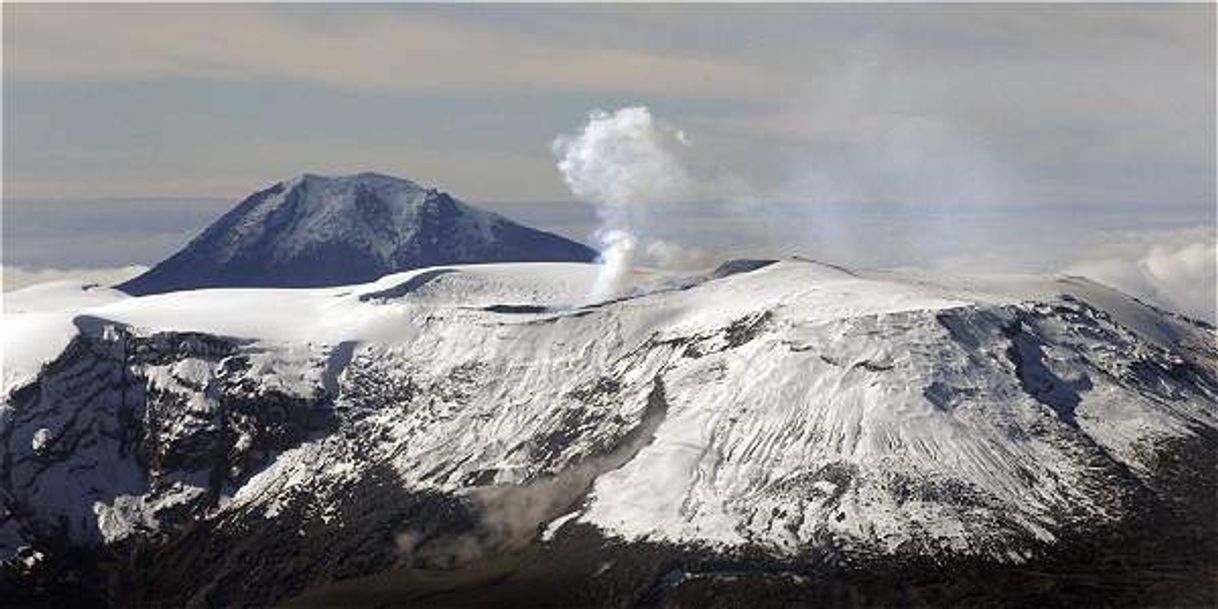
[
  {"x": 321, "y": 231},
  {"x": 38, "y": 324},
  {"x": 436, "y": 416}
]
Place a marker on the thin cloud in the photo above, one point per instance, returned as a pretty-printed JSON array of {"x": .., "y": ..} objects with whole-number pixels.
[
  {"x": 1024, "y": 105},
  {"x": 17, "y": 277},
  {"x": 412, "y": 52}
]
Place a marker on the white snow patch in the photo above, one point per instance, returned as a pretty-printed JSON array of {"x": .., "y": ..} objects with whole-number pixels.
[{"x": 554, "y": 525}]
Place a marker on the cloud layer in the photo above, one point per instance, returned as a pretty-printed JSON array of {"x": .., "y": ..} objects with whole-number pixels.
[
  {"x": 1174, "y": 269},
  {"x": 420, "y": 51},
  {"x": 1077, "y": 104},
  {"x": 17, "y": 277}
]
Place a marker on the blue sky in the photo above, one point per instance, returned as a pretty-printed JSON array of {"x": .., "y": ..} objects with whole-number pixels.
[{"x": 843, "y": 127}]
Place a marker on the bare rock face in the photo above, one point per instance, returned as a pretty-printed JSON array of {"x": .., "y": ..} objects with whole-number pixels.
[
  {"x": 318, "y": 231},
  {"x": 138, "y": 435}
]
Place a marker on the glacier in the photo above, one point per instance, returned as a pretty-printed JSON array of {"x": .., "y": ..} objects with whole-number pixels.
[{"x": 440, "y": 417}]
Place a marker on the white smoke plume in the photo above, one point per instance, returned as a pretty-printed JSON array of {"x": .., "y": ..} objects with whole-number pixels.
[
  {"x": 622, "y": 162},
  {"x": 669, "y": 255}
]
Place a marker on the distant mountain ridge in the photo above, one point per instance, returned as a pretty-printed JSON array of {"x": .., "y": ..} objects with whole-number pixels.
[{"x": 315, "y": 231}]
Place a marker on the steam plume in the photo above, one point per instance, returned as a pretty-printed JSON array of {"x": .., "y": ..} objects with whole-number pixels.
[{"x": 621, "y": 162}]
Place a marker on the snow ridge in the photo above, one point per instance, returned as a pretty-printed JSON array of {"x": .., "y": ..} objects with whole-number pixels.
[{"x": 794, "y": 408}]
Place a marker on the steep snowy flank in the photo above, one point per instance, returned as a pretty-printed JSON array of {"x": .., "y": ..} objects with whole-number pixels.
[
  {"x": 38, "y": 324},
  {"x": 320, "y": 231},
  {"x": 439, "y": 415}
]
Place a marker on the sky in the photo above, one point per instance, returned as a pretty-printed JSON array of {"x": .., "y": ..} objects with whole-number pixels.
[{"x": 1043, "y": 138}]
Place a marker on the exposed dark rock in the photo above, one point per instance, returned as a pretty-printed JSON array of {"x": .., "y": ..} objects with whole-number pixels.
[{"x": 742, "y": 265}]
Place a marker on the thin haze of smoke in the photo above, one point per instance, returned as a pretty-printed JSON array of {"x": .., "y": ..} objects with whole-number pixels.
[
  {"x": 866, "y": 137},
  {"x": 886, "y": 134},
  {"x": 890, "y": 174},
  {"x": 510, "y": 516}
]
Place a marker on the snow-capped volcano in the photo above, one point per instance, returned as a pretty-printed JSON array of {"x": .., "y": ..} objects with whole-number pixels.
[
  {"x": 790, "y": 420},
  {"x": 320, "y": 231}
]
